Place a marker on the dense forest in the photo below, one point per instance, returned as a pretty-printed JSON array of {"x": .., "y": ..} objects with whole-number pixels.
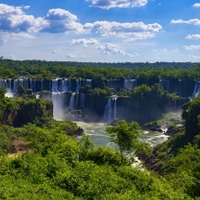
[
  {"x": 41, "y": 158},
  {"x": 50, "y": 69}
]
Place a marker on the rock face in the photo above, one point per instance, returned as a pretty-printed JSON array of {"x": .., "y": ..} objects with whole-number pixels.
[{"x": 34, "y": 111}]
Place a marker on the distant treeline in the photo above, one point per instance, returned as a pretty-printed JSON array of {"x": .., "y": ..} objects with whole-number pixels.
[{"x": 51, "y": 69}]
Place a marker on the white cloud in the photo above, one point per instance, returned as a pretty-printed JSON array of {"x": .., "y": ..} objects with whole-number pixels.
[
  {"x": 196, "y": 5},
  {"x": 181, "y": 21},
  {"x": 129, "y": 31},
  {"x": 86, "y": 42},
  {"x": 71, "y": 55},
  {"x": 61, "y": 21},
  {"x": 109, "y": 48},
  {"x": 192, "y": 47},
  {"x": 165, "y": 50},
  {"x": 13, "y": 19},
  {"x": 193, "y": 37},
  {"x": 56, "y": 51},
  {"x": 107, "y": 4},
  {"x": 196, "y": 57}
]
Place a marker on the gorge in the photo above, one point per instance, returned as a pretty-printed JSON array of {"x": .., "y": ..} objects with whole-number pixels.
[{"x": 106, "y": 100}]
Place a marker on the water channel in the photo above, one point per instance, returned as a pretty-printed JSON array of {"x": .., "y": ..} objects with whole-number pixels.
[{"x": 100, "y": 137}]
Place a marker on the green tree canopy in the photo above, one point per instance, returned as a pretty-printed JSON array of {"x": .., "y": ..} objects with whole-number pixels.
[{"x": 125, "y": 135}]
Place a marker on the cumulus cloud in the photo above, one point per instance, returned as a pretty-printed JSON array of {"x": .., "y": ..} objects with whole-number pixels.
[
  {"x": 107, "y": 4},
  {"x": 196, "y": 5},
  {"x": 71, "y": 55},
  {"x": 86, "y": 42},
  {"x": 109, "y": 48},
  {"x": 191, "y": 21},
  {"x": 193, "y": 37},
  {"x": 192, "y": 47},
  {"x": 165, "y": 50},
  {"x": 61, "y": 21},
  {"x": 13, "y": 19},
  {"x": 56, "y": 51},
  {"x": 133, "y": 31}
]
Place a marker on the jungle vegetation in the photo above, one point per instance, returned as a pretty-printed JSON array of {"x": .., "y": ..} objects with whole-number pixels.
[{"x": 41, "y": 158}]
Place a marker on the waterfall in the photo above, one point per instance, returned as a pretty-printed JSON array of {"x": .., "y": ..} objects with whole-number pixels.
[
  {"x": 76, "y": 97},
  {"x": 196, "y": 89},
  {"x": 54, "y": 85},
  {"x": 82, "y": 103},
  {"x": 164, "y": 84},
  {"x": 25, "y": 83},
  {"x": 78, "y": 85},
  {"x": 115, "y": 108},
  {"x": 58, "y": 100},
  {"x": 88, "y": 82},
  {"x": 16, "y": 84},
  {"x": 130, "y": 84},
  {"x": 179, "y": 86},
  {"x": 110, "y": 112},
  {"x": 72, "y": 101},
  {"x": 41, "y": 84},
  {"x": 64, "y": 85}
]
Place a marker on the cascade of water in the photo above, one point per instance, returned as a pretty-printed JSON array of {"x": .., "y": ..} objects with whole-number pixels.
[
  {"x": 78, "y": 85},
  {"x": 16, "y": 84},
  {"x": 108, "y": 83},
  {"x": 76, "y": 97},
  {"x": 164, "y": 84},
  {"x": 64, "y": 85},
  {"x": 130, "y": 84},
  {"x": 34, "y": 85},
  {"x": 54, "y": 85},
  {"x": 31, "y": 84},
  {"x": 20, "y": 81},
  {"x": 9, "y": 88},
  {"x": 58, "y": 100},
  {"x": 88, "y": 82},
  {"x": 8, "y": 85},
  {"x": 25, "y": 83},
  {"x": 108, "y": 112},
  {"x": 179, "y": 86},
  {"x": 41, "y": 84},
  {"x": 3, "y": 83},
  {"x": 196, "y": 89},
  {"x": 72, "y": 101},
  {"x": 115, "y": 108},
  {"x": 82, "y": 104}
]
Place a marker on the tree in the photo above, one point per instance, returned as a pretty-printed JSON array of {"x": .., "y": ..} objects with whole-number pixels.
[{"x": 126, "y": 136}]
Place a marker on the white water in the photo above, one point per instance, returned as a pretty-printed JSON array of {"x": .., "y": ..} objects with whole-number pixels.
[{"x": 100, "y": 137}]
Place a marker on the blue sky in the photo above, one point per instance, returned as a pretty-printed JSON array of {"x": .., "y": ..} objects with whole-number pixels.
[{"x": 101, "y": 30}]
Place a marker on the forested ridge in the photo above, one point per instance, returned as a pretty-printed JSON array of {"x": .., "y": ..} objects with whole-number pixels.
[
  {"x": 50, "y": 69},
  {"x": 41, "y": 158}
]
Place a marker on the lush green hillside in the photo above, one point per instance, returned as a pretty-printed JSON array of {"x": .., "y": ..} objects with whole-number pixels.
[{"x": 53, "y": 165}]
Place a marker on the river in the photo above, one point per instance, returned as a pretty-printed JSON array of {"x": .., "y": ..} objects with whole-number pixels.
[{"x": 100, "y": 137}]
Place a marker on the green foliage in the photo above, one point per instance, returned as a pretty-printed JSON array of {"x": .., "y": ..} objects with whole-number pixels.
[
  {"x": 105, "y": 156},
  {"x": 125, "y": 135},
  {"x": 191, "y": 115}
]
